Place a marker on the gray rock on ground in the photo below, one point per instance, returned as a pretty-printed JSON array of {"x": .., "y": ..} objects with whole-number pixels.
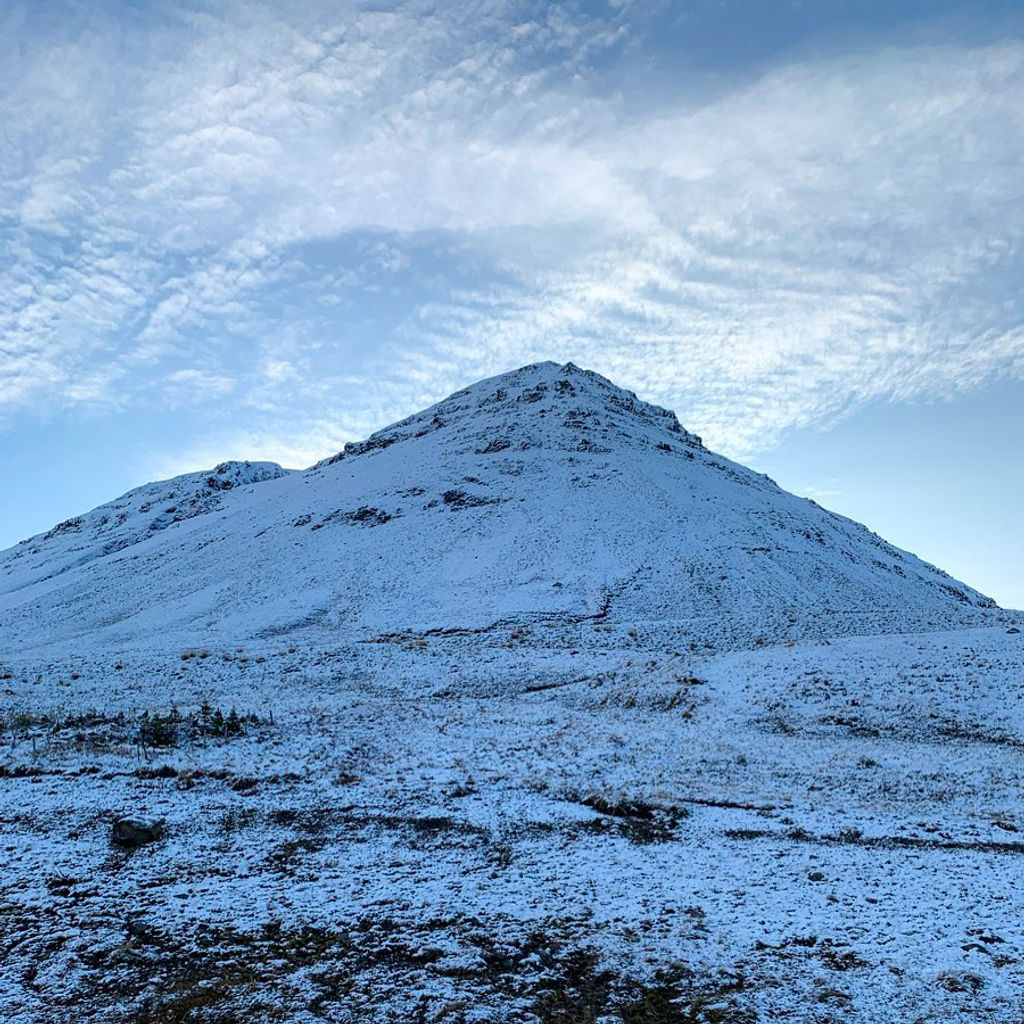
[{"x": 133, "y": 832}]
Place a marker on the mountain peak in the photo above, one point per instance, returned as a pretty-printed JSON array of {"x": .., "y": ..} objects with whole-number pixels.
[{"x": 545, "y": 405}]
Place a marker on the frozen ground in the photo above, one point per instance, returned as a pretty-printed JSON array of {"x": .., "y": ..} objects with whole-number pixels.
[{"x": 489, "y": 829}]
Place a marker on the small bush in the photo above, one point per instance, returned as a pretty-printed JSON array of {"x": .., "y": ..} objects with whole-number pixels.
[
  {"x": 173, "y": 728},
  {"x": 160, "y": 730}
]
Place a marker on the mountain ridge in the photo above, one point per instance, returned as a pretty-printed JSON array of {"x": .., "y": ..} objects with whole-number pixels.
[
  {"x": 528, "y": 385},
  {"x": 147, "y": 509}
]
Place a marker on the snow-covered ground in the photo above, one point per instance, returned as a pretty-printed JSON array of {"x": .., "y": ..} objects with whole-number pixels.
[
  {"x": 453, "y": 830},
  {"x": 528, "y": 708}
]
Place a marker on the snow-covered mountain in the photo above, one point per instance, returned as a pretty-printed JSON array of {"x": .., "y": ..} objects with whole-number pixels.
[{"x": 546, "y": 504}]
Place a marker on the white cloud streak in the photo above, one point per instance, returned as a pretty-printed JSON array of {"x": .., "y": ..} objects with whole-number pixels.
[{"x": 837, "y": 231}]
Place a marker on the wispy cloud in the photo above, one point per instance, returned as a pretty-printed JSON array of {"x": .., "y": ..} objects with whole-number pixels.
[{"x": 301, "y": 226}]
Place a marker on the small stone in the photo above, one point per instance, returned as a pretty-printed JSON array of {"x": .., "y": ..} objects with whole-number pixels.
[
  {"x": 834, "y": 995},
  {"x": 142, "y": 931},
  {"x": 815, "y": 876},
  {"x": 135, "y": 832}
]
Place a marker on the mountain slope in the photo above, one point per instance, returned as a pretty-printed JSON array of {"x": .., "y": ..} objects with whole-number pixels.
[
  {"x": 128, "y": 520},
  {"x": 545, "y": 504}
]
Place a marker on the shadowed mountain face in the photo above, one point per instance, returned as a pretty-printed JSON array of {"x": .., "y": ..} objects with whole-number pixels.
[{"x": 545, "y": 502}]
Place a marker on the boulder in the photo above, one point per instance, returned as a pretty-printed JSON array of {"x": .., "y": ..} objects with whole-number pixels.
[{"x": 134, "y": 832}]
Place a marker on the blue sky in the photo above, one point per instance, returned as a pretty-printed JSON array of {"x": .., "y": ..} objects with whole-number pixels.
[{"x": 260, "y": 230}]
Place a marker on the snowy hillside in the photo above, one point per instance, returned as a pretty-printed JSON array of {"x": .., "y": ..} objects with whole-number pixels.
[
  {"x": 544, "y": 500},
  {"x": 128, "y": 520}
]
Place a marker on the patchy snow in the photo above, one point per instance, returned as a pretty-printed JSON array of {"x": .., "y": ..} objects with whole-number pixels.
[
  {"x": 839, "y": 818},
  {"x": 575, "y": 728}
]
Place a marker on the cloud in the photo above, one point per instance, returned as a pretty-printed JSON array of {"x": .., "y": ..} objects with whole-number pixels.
[
  {"x": 834, "y": 233},
  {"x": 316, "y": 222}
]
